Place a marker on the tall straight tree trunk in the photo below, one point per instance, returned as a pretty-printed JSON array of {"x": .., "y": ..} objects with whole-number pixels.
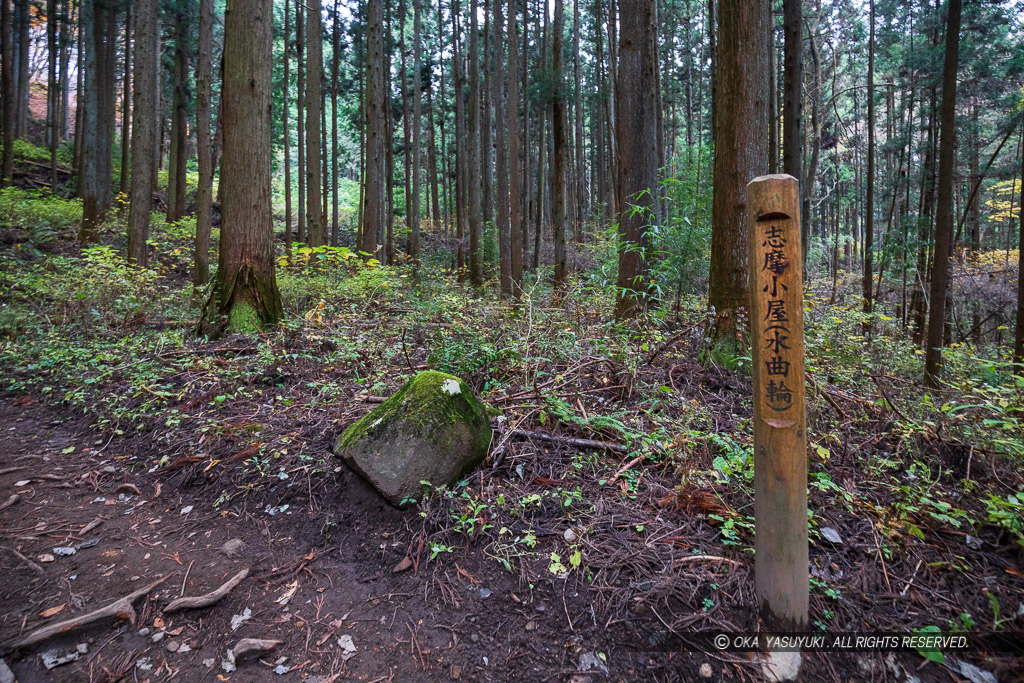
[
  {"x": 741, "y": 152},
  {"x": 637, "y": 143},
  {"x": 503, "y": 225},
  {"x": 406, "y": 122},
  {"x": 7, "y": 93},
  {"x": 615, "y": 200},
  {"x": 76, "y": 154},
  {"x": 558, "y": 134},
  {"x": 944, "y": 208},
  {"x": 300, "y": 109},
  {"x": 204, "y": 153},
  {"x": 475, "y": 170},
  {"x": 417, "y": 117},
  {"x": 126, "y": 98},
  {"x": 578, "y": 106},
  {"x": 176, "y": 170},
  {"x": 1018, "y": 332},
  {"x": 435, "y": 198},
  {"x": 335, "y": 60},
  {"x": 97, "y": 106},
  {"x": 517, "y": 221},
  {"x": 525, "y": 89},
  {"x": 461, "y": 154},
  {"x": 773, "y": 103},
  {"x": 388, "y": 240},
  {"x": 324, "y": 168},
  {"x": 145, "y": 127},
  {"x": 869, "y": 214},
  {"x": 64, "y": 47},
  {"x": 376, "y": 129},
  {"x": 814, "y": 134},
  {"x": 246, "y": 289},
  {"x": 21, "y": 24},
  {"x": 287, "y": 132},
  {"x": 445, "y": 156},
  {"x": 792, "y": 111},
  {"x": 486, "y": 150},
  {"x": 53, "y": 90},
  {"x": 974, "y": 217},
  {"x": 542, "y": 142},
  {"x": 314, "y": 77}
]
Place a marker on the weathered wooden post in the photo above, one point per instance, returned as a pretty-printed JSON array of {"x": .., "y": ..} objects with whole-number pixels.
[{"x": 780, "y": 418}]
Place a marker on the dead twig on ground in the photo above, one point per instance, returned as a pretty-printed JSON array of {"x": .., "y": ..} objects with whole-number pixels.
[
  {"x": 10, "y": 501},
  {"x": 582, "y": 443},
  {"x": 198, "y": 601},
  {"x": 672, "y": 340},
  {"x": 622, "y": 470},
  {"x": 120, "y": 609},
  {"x": 36, "y": 567},
  {"x": 708, "y": 558}
]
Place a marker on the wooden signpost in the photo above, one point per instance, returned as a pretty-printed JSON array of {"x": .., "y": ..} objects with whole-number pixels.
[{"x": 780, "y": 418}]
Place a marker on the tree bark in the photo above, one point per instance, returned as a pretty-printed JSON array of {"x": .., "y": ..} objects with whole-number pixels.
[
  {"x": 741, "y": 152},
  {"x": 176, "y": 171},
  {"x": 637, "y": 145},
  {"x": 869, "y": 212},
  {"x": 144, "y": 125},
  {"x": 417, "y": 118},
  {"x": 21, "y": 26},
  {"x": 314, "y": 77},
  {"x": 503, "y": 225},
  {"x": 581, "y": 196},
  {"x": 97, "y": 105},
  {"x": 7, "y": 93},
  {"x": 287, "y": 131},
  {"x": 1018, "y": 333},
  {"x": 517, "y": 223},
  {"x": 246, "y": 290},
  {"x": 558, "y": 135},
  {"x": 542, "y": 142},
  {"x": 53, "y": 91},
  {"x": 793, "y": 97},
  {"x": 335, "y": 60},
  {"x": 126, "y": 107},
  {"x": 300, "y": 107},
  {"x": 376, "y": 129},
  {"x": 475, "y": 169},
  {"x": 944, "y": 207},
  {"x": 204, "y": 194}
]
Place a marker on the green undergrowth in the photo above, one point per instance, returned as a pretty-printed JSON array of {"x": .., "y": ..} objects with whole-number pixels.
[
  {"x": 81, "y": 328},
  {"x": 43, "y": 218}
]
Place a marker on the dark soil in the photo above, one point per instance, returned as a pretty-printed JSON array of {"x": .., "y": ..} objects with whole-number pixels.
[{"x": 335, "y": 547}]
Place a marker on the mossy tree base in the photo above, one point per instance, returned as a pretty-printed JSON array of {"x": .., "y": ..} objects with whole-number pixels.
[{"x": 244, "y": 306}]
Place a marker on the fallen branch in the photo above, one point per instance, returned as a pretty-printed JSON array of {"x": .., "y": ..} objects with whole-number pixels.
[
  {"x": 622, "y": 470},
  {"x": 582, "y": 443},
  {"x": 120, "y": 609},
  {"x": 246, "y": 645},
  {"x": 210, "y": 598},
  {"x": 672, "y": 340},
  {"x": 36, "y": 567},
  {"x": 9, "y": 502},
  {"x": 709, "y": 558}
]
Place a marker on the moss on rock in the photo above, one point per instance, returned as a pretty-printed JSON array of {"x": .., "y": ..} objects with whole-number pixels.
[{"x": 434, "y": 428}]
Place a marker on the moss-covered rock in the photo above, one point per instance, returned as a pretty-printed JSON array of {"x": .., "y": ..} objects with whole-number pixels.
[{"x": 433, "y": 429}]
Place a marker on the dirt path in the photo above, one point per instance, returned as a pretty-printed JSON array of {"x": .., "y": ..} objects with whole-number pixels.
[{"x": 321, "y": 556}]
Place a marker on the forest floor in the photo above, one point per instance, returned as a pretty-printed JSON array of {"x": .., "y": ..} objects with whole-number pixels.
[{"x": 145, "y": 454}]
